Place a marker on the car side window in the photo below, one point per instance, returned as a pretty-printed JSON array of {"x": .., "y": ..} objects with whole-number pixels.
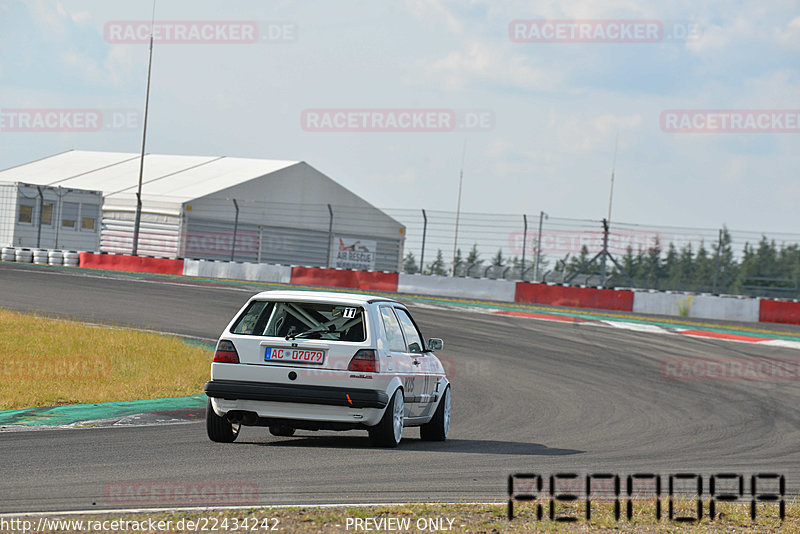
[
  {"x": 413, "y": 337},
  {"x": 394, "y": 334},
  {"x": 254, "y": 319}
]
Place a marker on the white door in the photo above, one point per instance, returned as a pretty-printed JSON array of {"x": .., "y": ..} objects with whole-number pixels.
[
  {"x": 423, "y": 394},
  {"x": 401, "y": 359}
]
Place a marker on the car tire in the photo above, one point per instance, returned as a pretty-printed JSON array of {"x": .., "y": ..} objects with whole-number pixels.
[
  {"x": 281, "y": 431},
  {"x": 219, "y": 428},
  {"x": 389, "y": 431},
  {"x": 439, "y": 426}
]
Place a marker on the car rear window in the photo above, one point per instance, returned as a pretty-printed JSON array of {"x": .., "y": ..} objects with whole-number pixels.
[{"x": 302, "y": 320}]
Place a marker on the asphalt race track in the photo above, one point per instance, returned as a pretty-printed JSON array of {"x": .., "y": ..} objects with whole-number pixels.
[{"x": 528, "y": 396}]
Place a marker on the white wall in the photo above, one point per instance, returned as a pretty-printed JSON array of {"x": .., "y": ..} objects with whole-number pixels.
[
  {"x": 8, "y": 213},
  {"x": 445, "y": 286},
  {"x": 56, "y": 235},
  {"x": 238, "y": 271}
]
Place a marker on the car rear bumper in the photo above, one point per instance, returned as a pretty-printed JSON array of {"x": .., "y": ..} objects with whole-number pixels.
[{"x": 296, "y": 393}]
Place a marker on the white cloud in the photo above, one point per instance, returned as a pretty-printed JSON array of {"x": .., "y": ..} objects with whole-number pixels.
[
  {"x": 51, "y": 20},
  {"x": 405, "y": 177},
  {"x": 493, "y": 65},
  {"x": 81, "y": 18},
  {"x": 83, "y": 65},
  {"x": 122, "y": 63},
  {"x": 428, "y": 11},
  {"x": 582, "y": 134},
  {"x": 790, "y": 35}
]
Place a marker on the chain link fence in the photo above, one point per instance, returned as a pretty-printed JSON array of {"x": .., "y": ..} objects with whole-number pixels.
[
  {"x": 531, "y": 247},
  {"x": 544, "y": 248}
]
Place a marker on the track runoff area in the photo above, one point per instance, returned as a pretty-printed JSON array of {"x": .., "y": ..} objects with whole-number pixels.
[{"x": 542, "y": 406}]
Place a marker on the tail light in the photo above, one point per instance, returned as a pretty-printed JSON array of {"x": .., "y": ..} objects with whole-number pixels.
[
  {"x": 226, "y": 352},
  {"x": 365, "y": 361}
]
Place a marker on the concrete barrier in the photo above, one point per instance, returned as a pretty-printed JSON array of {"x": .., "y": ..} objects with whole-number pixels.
[
  {"x": 578, "y": 297},
  {"x": 317, "y": 276},
  {"x": 256, "y": 272},
  {"x": 729, "y": 308},
  {"x": 468, "y": 288},
  {"x": 779, "y": 311},
  {"x": 122, "y": 262}
]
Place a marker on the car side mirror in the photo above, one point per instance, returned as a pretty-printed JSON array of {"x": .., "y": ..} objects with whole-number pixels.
[{"x": 435, "y": 343}]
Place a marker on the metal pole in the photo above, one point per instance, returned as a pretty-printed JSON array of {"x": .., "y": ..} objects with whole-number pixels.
[
  {"x": 542, "y": 215},
  {"x": 605, "y": 250},
  {"x": 716, "y": 269},
  {"x": 458, "y": 207},
  {"x": 330, "y": 234},
  {"x": 57, "y": 214},
  {"x": 424, "y": 233},
  {"x": 524, "y": 243},
  {"x": 610, "y": 199},
  {"x": 138, "y": 219},
  {"x": 41, "y": 209},
  {"x": 260, "y": 241},
  {"x": 235, "y": 228}
]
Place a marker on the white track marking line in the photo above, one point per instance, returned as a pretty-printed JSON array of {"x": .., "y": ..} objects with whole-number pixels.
[
  {"x": 637, "y": 327},
  {"x": 782, "y": 343},
  {"x": 134, "y": 277}
]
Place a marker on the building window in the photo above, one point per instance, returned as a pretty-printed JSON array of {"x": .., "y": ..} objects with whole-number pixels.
[
  {"x": 47, "y": 214},
  {"x": 69, "y": 215},
  {"x": 25, "y": 212},
  {"x": 89, "y": 214}
]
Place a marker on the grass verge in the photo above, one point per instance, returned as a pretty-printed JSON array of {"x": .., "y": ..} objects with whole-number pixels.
[
  {"x": 48, "y": 362},
  {"x": 477, "y": 518}
]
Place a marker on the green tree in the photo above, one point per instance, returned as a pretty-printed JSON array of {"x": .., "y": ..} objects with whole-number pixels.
[
  {"x": 410, "y": 264},
  {"x": 703, "y": 269},
  {"x": 474, "y": 256},
  {"x": 672, "y": 268},
  {"x": 561, "y": 265},
  {"x": 725, "y": 266},
  {"x": 631, "y": 264},
  {"x": 498, "y": 260},
  {"x": 652, "y": 270},
  {"x": 580, "y": 261},
  {"x": 437, "y": 267},
  {"x": 686, "y": 267}
]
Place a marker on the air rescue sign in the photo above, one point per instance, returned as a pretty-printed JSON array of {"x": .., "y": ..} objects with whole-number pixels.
[{"x": 353, "y": 253}]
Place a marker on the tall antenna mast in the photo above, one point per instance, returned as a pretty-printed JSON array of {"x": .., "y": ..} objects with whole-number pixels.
[
  {"x": 458, "y": 206},
  {"x": 604, "y": 254},
  {"x": 138, "y": 219},
  {"x": 613, "y": 170}
]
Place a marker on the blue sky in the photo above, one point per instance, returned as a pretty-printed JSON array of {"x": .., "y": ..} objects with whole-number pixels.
[{"x": 556, "y": 107}]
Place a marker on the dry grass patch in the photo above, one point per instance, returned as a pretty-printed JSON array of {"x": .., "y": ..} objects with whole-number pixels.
[{"x": 47, "y": 362}]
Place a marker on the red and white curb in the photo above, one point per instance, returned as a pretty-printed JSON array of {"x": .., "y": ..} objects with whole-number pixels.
[{"x": 651, "y": 328}]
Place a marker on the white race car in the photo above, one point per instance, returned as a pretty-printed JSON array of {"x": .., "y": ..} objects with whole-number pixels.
[{"x": 326, "y": 361}]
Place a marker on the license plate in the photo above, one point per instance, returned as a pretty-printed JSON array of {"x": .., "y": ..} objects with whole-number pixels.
[{"x": 294, "y": 355}]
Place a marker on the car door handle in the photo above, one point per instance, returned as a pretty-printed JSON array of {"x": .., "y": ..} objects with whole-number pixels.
[{"x": 416, "y": 362}]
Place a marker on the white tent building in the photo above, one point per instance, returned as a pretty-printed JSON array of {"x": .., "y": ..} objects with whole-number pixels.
[{"x": 267, "y": 211}]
